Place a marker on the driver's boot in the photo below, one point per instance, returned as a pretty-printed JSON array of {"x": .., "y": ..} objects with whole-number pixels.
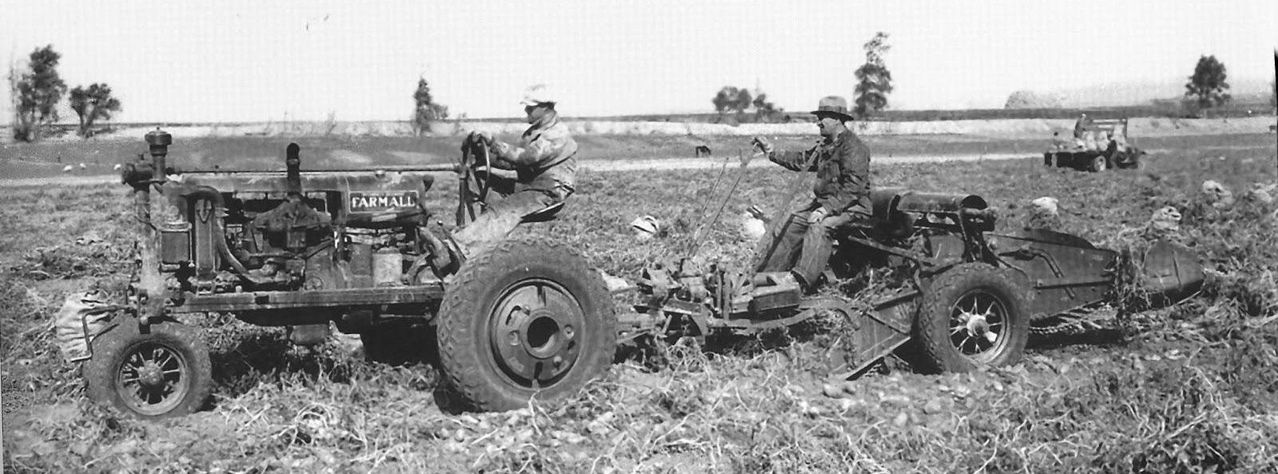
[
  {"x": 446, "y": 255},
  {"x": 453, "y": 255}
]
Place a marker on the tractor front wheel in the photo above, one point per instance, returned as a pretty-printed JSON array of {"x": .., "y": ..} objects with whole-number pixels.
[
  {"x": 525, "y": 318},
  {"x": 162, "y": 373},
  {"x": 972, "y": 315}
]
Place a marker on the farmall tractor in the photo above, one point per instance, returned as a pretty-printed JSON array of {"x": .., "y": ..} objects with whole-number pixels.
[
  {"x": 353, "y": 249},
  {"x": 359, "y": 251}
]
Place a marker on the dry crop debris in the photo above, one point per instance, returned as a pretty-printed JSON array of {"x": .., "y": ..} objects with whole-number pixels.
[{"x": 1188, "y": 389}]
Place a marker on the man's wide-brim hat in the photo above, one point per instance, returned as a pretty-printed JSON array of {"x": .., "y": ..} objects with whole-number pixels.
[
  {"x": 833, "y": 105},
  {"x": 538, "y": 94}
]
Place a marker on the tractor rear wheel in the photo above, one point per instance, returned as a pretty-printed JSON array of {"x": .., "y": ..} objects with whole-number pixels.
[
  {"x": 163, "y": 373},
  {"x": 525, "y": 318},
  {"x": 971, "y": 315}
]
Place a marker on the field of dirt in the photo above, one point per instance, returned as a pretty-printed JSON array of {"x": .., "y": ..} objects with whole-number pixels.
[{"x": 1190, "y": 388}]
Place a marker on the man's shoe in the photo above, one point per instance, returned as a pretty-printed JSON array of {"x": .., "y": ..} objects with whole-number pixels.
[{"x": 765, "y": 279}]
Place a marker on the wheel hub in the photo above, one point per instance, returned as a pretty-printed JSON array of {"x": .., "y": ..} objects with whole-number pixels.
[
  {"x": 976, "y": 323},
  {"x": 978, "y": 326},
  {"x": 534, "y": 333},
  {"x": 150, "y": 374},
  {"x": 151, "y": 380}
]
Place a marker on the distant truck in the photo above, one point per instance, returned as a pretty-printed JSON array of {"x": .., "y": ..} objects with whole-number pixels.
[{"x": 1101, "y": 145}]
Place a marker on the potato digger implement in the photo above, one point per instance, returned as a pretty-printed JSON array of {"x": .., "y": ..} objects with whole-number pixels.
[
  {"x": 360, "y": 251},
  {"x": 967, "y": 296}
]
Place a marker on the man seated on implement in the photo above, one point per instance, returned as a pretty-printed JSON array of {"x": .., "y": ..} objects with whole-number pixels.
[
  {"x": 545, "y": 173},
  {"x": 801, "y": 243}
]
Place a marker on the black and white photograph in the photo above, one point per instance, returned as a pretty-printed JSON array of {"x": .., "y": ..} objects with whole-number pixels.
[{"x": 626, "y": 236}]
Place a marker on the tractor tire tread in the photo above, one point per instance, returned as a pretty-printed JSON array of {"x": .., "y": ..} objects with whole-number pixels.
[
  {"x": 937, "y": 352},
  {"x": 100, "y": 370},
  {"x": 458, "y": 343}
]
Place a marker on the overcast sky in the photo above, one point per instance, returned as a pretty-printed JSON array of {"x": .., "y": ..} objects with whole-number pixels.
[{"x": 302, "y": 60}]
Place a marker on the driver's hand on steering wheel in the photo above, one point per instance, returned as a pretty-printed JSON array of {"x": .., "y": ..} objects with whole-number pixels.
[{"x": 481, "y": 136}]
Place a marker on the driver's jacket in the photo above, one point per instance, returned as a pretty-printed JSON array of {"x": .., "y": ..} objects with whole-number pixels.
[
  {"x": 842, "y": 167},
  {"x": 544, "y": 159}
]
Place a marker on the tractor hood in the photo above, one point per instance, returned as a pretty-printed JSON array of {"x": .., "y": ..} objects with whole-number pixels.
[{"x": 340, "y": 181}]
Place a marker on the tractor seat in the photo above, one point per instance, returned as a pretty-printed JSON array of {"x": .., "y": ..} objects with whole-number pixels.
[{"x": 544, "y": 214}]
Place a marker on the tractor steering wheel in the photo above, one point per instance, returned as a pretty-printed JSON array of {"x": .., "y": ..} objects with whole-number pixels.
[
  {"x": 477, "y": 156},
  {"x": 471, "y": 198}
]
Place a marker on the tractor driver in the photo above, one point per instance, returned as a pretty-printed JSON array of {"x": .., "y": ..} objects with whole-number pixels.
[
  {"x": 1082, "y": 126},
  {"x": 545, "y": 172},
  {"x": 801, "y": 244}
]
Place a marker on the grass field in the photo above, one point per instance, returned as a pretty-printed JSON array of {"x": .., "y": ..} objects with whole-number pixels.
[{"x": 1192, "y": 388}]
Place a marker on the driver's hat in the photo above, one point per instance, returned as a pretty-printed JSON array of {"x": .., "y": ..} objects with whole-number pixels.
[{"x": 538, "y": 94}]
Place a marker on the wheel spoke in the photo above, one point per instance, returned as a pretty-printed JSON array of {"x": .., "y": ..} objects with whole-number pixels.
[{"x": 168, "y": 357}]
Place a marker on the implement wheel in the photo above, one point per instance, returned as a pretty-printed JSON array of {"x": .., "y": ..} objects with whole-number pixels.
[
  {"x": 972, "y": 315},
  {"x": 526, "y": 318},
  {"x": 163, "y": 373}
]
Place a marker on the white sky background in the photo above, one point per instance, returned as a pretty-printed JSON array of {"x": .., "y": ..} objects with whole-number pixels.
[{"x": 301, "y": 60}]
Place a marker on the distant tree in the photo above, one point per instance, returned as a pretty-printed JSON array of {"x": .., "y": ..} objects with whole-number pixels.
[
  {"x": 13, "y": 98},
  {"x": 1208, "y": 86},
  {"x": 92, "y": 104},
  {"x": 425, "y": 110},
  {"x": 763, "y": 109},
  {"x": 723, "y": 100},
  {"x": 36, "y": 94},
  {"x": 742, "y": 101},
  {"x": 874, "y": 80},
  {"x": 732, "y": 99}
]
